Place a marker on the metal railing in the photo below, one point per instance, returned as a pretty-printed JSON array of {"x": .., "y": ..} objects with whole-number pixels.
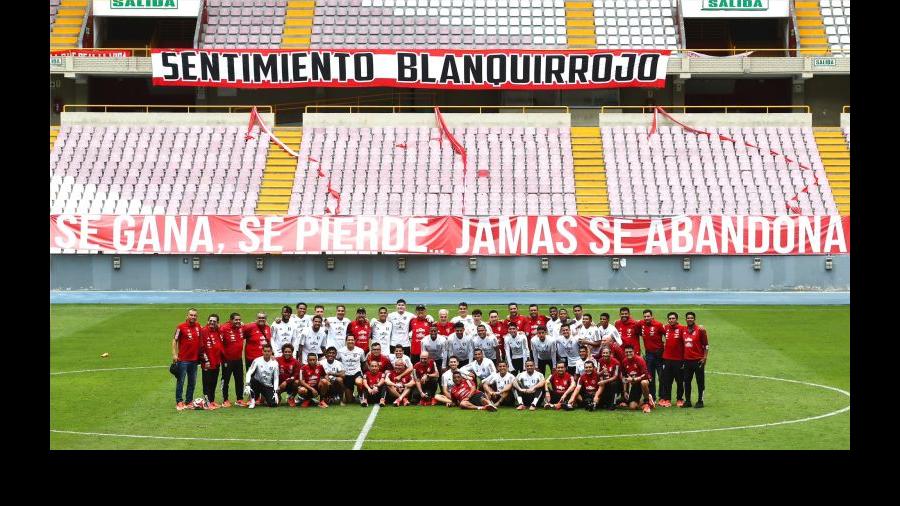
[
  {"x": 687, "y": 108},
  {"x": 373, "y": 97},
  {"x": 480, "y": 109},
  {"x": 167, "y": 108}
]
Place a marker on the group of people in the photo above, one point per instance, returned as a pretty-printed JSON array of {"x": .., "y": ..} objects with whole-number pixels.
[{"x": 403, "y": 357}]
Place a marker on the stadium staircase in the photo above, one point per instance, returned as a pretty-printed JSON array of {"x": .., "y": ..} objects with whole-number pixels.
[
  {"x": 591, "y": 195},
  {"x": 278, "y": 177},
  {"x": 298, "y": 24},
  {"x": 54, "y": 131},
  {"x": 810, "y": 28},
  {"x": 580, "y": 26},
  {"x": 69, "y": 18},
  {"x": 835, "y": 155}
]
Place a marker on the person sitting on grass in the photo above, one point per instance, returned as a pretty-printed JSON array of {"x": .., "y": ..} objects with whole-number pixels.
[
  {"x": 499, "y": 386},
  {"x": 427, "y": 377},
  {"x": 262, "y": 379},
  {"x": 464, "y": 394},
  {"x": 399, "y": 384},
  {"x": 288, "y": 373},
  {"x": 373, "y": 388},
  {"x": 314, "y": 384},
  {"x": 635, "y": 380}
]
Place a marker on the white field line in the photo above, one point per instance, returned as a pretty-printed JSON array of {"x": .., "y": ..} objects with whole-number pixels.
[{"x": 366, "y": 428}]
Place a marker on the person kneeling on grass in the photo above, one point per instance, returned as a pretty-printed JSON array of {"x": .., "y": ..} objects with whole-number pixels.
[
  {"x": 587, "y": 390},
  {"x": 635, "y": 380},
  {"x": 499, "y": 386},
  {"x": 331, "y": 386},
  {"x": 372, "y": 387},
  {"x": 560, "y": 387},
  {"x": 426, "y": 378},
  {"x": 529, "y": 387},
  {"x": 288, "y": 373},
  {"x": 313, "y": 382},
  {"x": 399, "y": 384},
  {"x": 464, "y": 394},
  {"x": 447, "y": 382},
  {"x": 608, "y": 368},
  {"x": 262, "y": 379}
]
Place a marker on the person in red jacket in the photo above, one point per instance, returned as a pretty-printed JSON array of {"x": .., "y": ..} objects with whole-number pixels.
[
  {"x": 185, "y": 353},
  {"x": 673, "y": 362},
  {"x": 360, "y": 329},
  {"x": 232, "y": 367},
  {"x": 419, "y": 327},
  {"x": 256, "y": 335},
  {"x": 288, "y": 373},
  {"x": 314, "y": 382},
  {"x": 377, "y": 355},
  {"x": 696, "y": 351},
  {"x": 522, "y": 322},
  {"x": 629, "y": 329},
  {"x": 211, "y": 354},
  {"x": 608, "y": 369},
  {"x": 652, "y": 333},
  {"x": 535, "y": 319},
  {"x": 635, "y": 380}
]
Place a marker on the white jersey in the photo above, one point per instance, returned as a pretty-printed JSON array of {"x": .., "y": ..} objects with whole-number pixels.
[
  {"x": 488, "y": 345},
  {"x": 302, "y": 323},
  {"x": 591, "y": 333},
  {"x": 284, "y": 333},
  {"x": 311, "y": 341},
  {"x": 337, "y": 332},
  {"x": 553, "y": 327},
  {"x": 332, "y": 368},
  {"x": 407, "y": 363},
  {"x": 352, "y": 359},
  {"x": 529, "y": 380},
  {"x": 468, "y": 321},
  {"x": 565, "y": 350},
  {"x": 436, "y": 348},
  {"x": 610, "y": 330},
  {"x": 381, "y": 334},
  {"x": 482, "y": 370},
  {"x": 516, "y": 347},
  {"x": 400, "y": 332},
  {"x": 542, "y": 350},
  {"x": 579, "y": 365},
  {"x": 447, "y": 379},
  {"x": 460, "y": 348},
  {"x": 265, "y": 372},
  {"x": 499, "y": 382}
]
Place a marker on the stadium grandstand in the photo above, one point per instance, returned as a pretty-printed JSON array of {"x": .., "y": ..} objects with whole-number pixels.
[{"x": 748, "y": 117}]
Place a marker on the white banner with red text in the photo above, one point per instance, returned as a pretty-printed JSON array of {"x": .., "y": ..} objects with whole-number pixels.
[
  {"x": 491, "y": 69},
  {"x": 452, "y": 235}
]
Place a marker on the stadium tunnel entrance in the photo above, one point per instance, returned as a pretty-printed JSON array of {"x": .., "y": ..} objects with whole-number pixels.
[
  {"x": 740, "y": 35},
  {"x": 124, "y": 32}
]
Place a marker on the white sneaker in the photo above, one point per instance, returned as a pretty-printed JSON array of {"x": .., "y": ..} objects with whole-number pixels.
[{"x": 252, "y": 403}]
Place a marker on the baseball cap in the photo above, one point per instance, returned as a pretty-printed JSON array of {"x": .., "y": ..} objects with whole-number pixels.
[{"x": 420, "y": 306}]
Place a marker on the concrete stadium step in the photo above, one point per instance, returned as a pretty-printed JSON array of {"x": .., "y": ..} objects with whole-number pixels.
[
  {"x": 276, "y": 209},
  {"x": 588, "y": 153},
  {"x": 592, "y": 210},
  {"x": 273, "y": 199},
  {"x": 811, "y": 36},
  {"x": 298, "y": 22},
  {"x": 282, "y": 162},
  {"x": 280, "y": 172},
  {"x": 591, "y": 193},
  {"x": 835, "y": 155},
  {"x": 264, "y": 190},
  {"x": 277, "y": 176},
  {"x": 54, "y": 132},
  {"x": 276, "y": 183}
]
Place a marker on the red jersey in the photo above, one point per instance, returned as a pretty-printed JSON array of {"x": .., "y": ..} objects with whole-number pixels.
[
  {"x": 256, "y": 338},
  {"x": 462, "y": 391},
  {"x": 211, "y": 349},
  {"x": 560, "y": 383},
  {"x": 312, "y": 375},
  {"x": 653, "y": 336},
  {"x": 361, "y": 331},
  {"x": 373, "y": 378},
  {"x": 609, "y": 369},
  {"x": 424, "y": 368},
  {"x": 615, "y": 350},
  {"x": 589, "y": 382},
  {"x": 444, "y": 329},
  {"x": 500, "y": 329},
  {"x": 383, "y": 361},
  {"x": 674, "y": 347},
  {"x": 288, "y": 369},
  {"x": 523, "y": 323},
  {"x": 188, "y": 337},
  {"x": 232, "y": 341},
  {"x": 532, "y": 324},
  {"x": 630, "y": 331},
  {"x": 399, "y": 378},
  {"x": 419, "y": 329},
  {"x": 695, "y": 343},
  {"x": 635, "y": 367}
]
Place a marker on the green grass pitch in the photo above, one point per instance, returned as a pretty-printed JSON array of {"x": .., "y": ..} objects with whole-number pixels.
[{"x": 805, "y": 344}]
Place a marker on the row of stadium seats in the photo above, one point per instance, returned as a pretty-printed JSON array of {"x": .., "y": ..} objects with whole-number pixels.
[
  {"x": 408, "y": 171},
  {"x": 836, "y": 17},
  {"x": 54, "y": 9},
  {"x": 247, "y": 23}
]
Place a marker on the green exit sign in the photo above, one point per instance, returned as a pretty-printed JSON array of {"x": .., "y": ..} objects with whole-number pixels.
[
  {"x": 824, "y": 62},
  {"x": 735, "y": 5}
]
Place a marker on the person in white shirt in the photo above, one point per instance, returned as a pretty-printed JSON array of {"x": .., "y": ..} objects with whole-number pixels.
[
  {"x": 480, "y": 366},
  {"x": 351, "y": 356},
  {"x": 565, "y": 349},
  {"x": 335, "y": 371},
  {"x": 588, "y": 334},
  {"x": 476, "y": 321},
  {"x": 485, "y": 342},
  {"x": 400, "y": 356},
  {"x": 262, "y": 379},
  {"x": 436, "y": 346},
  {"x": 464, "y": 317},
  {"x": 553, "y": 322},
  {"x": 605, "y": 329},
  {"x": 447, "y": 382},
  {"x": 301, "y": 319},
  {"x": 542, "y": 350},
  {"x": 381, "y": 329},
  {"x": 516, "y": 346},
  {"x": 577, "y": 319},
  {"x": 337, "y": 327},
  {"x": 400, "y": 321},
  {"x": 529, "y": 387},
  {"x": 499, "y": 386},
  {"x": 459, "y": 345},
  {"x": 312, "y": 340},
  {"x": 583, "y": 357},
  {"x": 285, "y": 331}
]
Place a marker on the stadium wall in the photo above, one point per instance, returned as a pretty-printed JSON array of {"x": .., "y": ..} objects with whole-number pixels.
[{"x": 379, "y": 272}]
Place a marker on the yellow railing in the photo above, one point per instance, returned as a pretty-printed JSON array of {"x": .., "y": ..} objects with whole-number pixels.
[
  {"x": 686, "y": 108},
  {"x": 177, "y": 108},
  {"x": 426, "y": 108},
  {"x": 846, "y": 109},
  {"x": 135, "y": 51},
  {"x": 374, "y": 97}
]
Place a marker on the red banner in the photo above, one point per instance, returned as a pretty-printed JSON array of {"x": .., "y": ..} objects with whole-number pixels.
[
  {"x": 453, "y": 235},
  {"x": 488, "y": 69},
  {"x": 95, "y": 53}
]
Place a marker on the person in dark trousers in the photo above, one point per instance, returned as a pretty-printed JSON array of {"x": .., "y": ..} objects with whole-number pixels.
[
  {"x": 211, "y": 354},
  {"x": 673, "y": 362},
  {"x": 696, "y": 350},
  {"x": 262, "y": 379},
  {"x": 233, "y": 365},
  {"x": 185, "y": 356},
  {"x": 652, "y": 333}
]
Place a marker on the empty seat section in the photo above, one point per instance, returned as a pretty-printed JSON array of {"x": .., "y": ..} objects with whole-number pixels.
[
  {"x": 836, "y": 19},
  {"x": 171, "y": 170},
  {"x": 244, "y": 24},
  {"x": 680, "y": 173},
  {"x": 636, "y": 24}
]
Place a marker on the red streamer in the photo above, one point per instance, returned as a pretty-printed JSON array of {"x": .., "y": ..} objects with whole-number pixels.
[{"x": 455, "y": 144}]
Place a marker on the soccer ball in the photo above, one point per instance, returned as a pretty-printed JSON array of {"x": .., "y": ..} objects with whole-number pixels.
[{"x": 199, "y": 403}]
